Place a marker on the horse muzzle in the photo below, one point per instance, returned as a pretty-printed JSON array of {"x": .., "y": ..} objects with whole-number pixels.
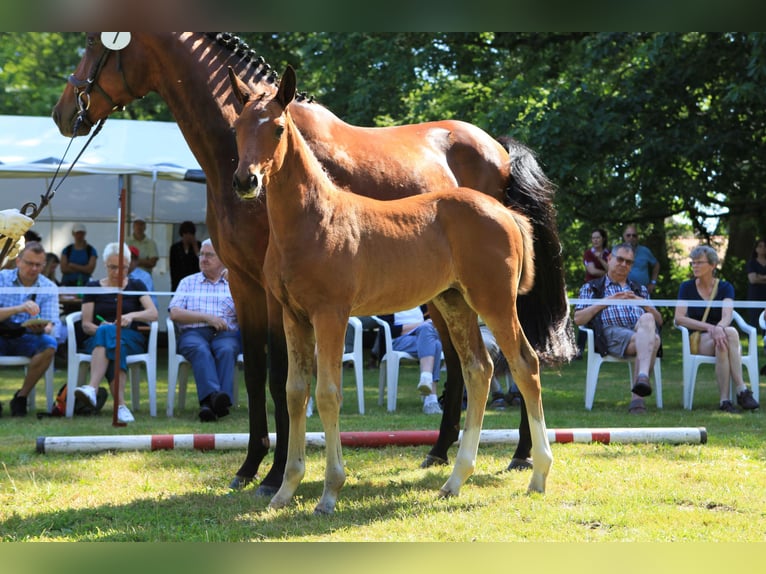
[{"x": 248, "y": 187}]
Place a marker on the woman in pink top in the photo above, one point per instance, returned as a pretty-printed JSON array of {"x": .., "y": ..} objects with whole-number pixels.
[{"x": 595, "y": 257}]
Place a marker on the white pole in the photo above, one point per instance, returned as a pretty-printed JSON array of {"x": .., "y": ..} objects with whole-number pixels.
[{"x": 234, "y": 441}]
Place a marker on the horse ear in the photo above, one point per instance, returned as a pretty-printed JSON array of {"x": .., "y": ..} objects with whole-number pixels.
[
  {"x": 286, "y": 92},
  {"x": 240, "y": 89}
]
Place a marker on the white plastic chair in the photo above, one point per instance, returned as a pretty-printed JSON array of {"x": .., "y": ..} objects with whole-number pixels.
[
  {"x": 356, "y": 357},
  {"x": 77, "y": 361},
  {"x": 594, "y": 362},
  {"x": 19, "y": 361},
  {"x": 389, "y": 366},
  {"x": 692, "y": 362},
  {"x": 179, "y": 369}
]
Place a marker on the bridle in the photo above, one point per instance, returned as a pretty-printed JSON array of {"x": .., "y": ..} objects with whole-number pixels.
[{"x": 83, "y": 88}]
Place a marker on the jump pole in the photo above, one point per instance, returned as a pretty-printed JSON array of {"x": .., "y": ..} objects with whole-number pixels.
[{"x": 368, "y": 439}]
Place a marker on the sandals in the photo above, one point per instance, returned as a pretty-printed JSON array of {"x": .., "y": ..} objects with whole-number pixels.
[
  {"x": 636, "y": 407},
  {"x": 641, "y": 386}
]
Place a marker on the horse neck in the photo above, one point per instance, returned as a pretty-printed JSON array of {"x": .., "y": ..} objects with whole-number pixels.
[
  {"x": 193, "y": 82},
  {"x": 297, "y": 187}
]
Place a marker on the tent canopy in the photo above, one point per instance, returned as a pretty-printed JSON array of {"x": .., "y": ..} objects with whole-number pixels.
[{"x": 164, "y": 180}]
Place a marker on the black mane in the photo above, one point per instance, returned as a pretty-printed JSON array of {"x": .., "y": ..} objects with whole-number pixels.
[{"x": 239, "y": 48}]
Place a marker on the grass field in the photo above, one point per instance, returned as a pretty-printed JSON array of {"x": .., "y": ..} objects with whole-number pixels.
[{"x": 642, "y": 492}]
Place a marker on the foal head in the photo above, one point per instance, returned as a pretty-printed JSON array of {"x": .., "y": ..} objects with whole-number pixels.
[{"x": 259, "y": 130}]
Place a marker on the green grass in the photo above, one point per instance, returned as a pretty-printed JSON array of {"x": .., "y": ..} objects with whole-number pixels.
[{"x": 639, "y": 492}]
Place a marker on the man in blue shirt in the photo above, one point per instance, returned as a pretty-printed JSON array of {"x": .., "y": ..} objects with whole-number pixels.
[
  {"x": 36, "y": 298},
  {"x": 646, "y": 268}
]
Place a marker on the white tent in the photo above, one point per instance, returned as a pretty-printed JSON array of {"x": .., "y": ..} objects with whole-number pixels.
[{"x": 164, "y": 182}]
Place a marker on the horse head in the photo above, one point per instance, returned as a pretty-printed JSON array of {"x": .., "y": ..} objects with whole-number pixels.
[
  {"x": 105, "y": 80},
  {"x": 259, "y": 130}
]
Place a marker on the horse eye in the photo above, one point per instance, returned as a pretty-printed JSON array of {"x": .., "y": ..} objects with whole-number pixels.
[{"x": 279, "y": 131}]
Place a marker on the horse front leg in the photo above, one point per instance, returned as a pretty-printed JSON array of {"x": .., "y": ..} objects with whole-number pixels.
[
  {"x": 253, "y": 327},
  {"x": 330, "y": 331},
  {"x": 277, "y": 361},
  {"x": 300, "y": 351}
]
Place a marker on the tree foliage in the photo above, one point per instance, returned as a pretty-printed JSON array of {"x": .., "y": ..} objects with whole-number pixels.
[{"x": 662, "y": 129}]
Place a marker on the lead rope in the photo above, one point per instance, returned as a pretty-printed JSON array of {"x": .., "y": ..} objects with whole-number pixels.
[{"x": 32, "y": 210}]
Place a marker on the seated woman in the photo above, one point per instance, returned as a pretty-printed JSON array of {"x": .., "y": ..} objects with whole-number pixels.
[
  {"x": 718, "y": 338},
  {"x": 99, "y": 313}
]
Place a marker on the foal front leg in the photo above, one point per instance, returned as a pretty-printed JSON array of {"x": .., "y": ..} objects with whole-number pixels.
[
  {"x": 300, "y": 351},
  {"x": 330, "y": 332}
]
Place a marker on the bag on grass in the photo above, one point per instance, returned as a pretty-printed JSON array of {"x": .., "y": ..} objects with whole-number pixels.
[{"x": 83, "y": 408}]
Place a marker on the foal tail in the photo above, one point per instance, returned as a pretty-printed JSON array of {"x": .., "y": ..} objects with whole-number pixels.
[{"x": 543, "y": 310}]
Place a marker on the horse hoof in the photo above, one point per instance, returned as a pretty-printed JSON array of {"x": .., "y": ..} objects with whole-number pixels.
[
  {"x": 520, "y": 464},
  {"x": 445, "y": 493},
  {"x": 266, "y": 490},
  {"x": 323, "y": 511},
  {"x": 432, "y": 460},
  {"x": 240, "y": 482}
]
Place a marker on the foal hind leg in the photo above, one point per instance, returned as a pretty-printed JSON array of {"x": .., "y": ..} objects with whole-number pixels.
[
  {"x": 525, "y": 367},
  {"x": 300, "y": 349},
  {"x": 476, "y": 363}
]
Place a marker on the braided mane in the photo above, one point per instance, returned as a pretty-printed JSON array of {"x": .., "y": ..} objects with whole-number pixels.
[{"x": 239, "y": 48}]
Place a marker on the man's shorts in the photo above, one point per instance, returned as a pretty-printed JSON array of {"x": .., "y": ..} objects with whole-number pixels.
[
  {"x": 617, "y": 339},
  {"x": 27, "y": 345}
]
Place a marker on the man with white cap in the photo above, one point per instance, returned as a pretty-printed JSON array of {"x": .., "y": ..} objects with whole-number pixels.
[
  {"x": 146, "y": 246},
  {"x": 78, "y": 259}
]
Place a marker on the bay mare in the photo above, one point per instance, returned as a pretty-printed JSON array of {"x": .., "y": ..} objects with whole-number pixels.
[
  {"x": 332, "y": 254},
  {"x": 189, "y": 72}
]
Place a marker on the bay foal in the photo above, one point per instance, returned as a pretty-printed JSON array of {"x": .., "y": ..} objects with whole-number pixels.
[{"x": 332, "y": 254}]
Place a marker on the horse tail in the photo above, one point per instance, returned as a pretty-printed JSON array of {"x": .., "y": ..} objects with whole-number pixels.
[
  {"x": 527, "y": 275},
  {"x": 544, "y": 310}
]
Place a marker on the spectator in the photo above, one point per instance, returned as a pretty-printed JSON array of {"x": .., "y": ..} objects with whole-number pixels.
[
  {"x": 78, "y": 259},
  {"x": 209, "y": 335},
  {"x": 756, "y": 277},
  {"x": 135, "y": 272},
  {"x": 413, "y": 333},
  {"x": 596, "y": 256},
  {"x": 99, "y": 316},
  {"x": 52, "y": 263},
  {"x": 646, "y": 268},
  {"x": 718, "y": 338},
  {"x": 184, "y": 254},
  {"x": 36, "y": 340},
  {"x": 623, "y": 330},
  {"x": 145, "y": 245}
]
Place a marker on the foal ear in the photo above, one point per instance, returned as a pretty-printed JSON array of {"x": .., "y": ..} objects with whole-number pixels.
[
  {"x": 286, "y": 92},
  {"x": 239, "y": 88}
]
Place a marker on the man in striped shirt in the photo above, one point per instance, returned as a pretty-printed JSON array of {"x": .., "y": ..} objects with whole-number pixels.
[
  {"x": 630, "y": 330},
  {"x": 209, "y": 337}
]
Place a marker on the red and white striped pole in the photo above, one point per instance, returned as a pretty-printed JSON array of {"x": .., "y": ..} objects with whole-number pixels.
[{"x": 369, "y": 439}]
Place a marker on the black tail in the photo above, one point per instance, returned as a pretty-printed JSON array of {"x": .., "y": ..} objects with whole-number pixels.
[{"x": 544, "y": 311}]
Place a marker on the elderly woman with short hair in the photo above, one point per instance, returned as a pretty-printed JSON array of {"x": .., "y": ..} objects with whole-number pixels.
[
  {"x": 718, "y": 338},
  {"x": 99, "y": 316}
]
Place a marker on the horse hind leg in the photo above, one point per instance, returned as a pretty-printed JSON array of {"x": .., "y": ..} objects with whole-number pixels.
[
  {"x": 525, "y": 368},
  {"x": 300, "y": 349},
  {"x": 476, "y": 367}
]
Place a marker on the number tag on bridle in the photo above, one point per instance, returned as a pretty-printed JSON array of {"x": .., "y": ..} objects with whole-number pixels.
[{"x": 115, "y": 40}]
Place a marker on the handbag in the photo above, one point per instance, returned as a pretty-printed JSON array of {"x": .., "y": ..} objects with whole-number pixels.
[
  {"x": 694, "y": 338},
  {"x": 11, "y": 330}
]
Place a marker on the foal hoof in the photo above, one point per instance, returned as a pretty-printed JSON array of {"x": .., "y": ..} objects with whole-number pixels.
[
  {"x": 432, "y": 460},
  {"x": 240, "y": 482},
  {"x": 266, "y": 490},
  {"x": 520, "y": 464}
]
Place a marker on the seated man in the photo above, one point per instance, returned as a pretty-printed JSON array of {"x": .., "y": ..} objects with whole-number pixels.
[
  {"x": 38, "y": 340},
  {"x": 209, "y": 333},
  {"x": 629, "y": 330}
]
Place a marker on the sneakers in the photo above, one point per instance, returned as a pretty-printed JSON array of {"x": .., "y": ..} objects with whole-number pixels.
[
  {"x": 87, "y": 392},
  {"x": 744, "y": 399},
  {"x": 18, "y": 406},
  {"x": 432, "y": 408},
  {"x": 727, "y": 407},
  {"x": 425, "y": 385},
  {"x": 123, "y": 414}
]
